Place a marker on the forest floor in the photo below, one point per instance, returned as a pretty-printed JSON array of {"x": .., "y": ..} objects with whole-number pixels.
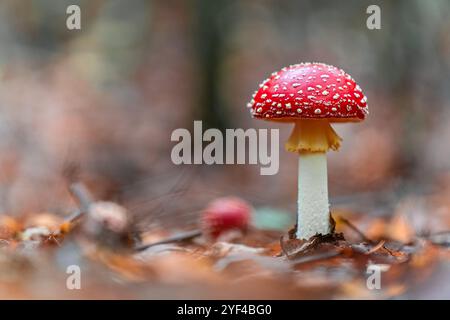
[{"x": 39, "y": 251}]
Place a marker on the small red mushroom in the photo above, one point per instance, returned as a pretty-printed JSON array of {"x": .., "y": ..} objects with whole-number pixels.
[
  {"x": 226, "y": 214},
  {"x": 311, "y": 95},
  {"x": 222, "y": 215}
]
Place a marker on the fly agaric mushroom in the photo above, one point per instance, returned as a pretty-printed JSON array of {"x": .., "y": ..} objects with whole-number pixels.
[
  {"x": 224, "y": 215},
  {"x": 220, "y": 216},
  {"x": 311, "y": 95}
]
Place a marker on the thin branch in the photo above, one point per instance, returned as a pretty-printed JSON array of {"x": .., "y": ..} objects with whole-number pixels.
[
  {"x": 355, "y": 229},
  {"x": 377, "y": 247},
  {"x": 185, "y": 236}
]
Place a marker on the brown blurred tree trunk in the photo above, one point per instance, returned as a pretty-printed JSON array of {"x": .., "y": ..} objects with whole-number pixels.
[{"x": 212, "y": 27}]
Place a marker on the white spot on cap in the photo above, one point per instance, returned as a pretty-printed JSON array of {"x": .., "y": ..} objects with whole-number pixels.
[
  {"x": 299, "y": 110},
  {"x": 259, "y": 110},
  {"x": 334, "y": 109},
  {"x": 317, "y": 111},
  {"x": 288, "y": 105},
  {"x": 336, "y": 96},
  {"x": 264, "y": 95},
  {"x": 310, "y": 89},
  {"x": 325, "y": 92},
  {"x": 295, "y": 85}
]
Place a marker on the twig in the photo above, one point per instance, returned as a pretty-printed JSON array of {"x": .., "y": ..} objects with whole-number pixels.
[
  {"x": 377, "y": 247},
  {"x": 185, "y": 236},
  {"x": 82, "y": 195},
  {"x": 388, "y": 250},
  {"x": 434, "y": 238},
  {"x": 355, "y": 229}
]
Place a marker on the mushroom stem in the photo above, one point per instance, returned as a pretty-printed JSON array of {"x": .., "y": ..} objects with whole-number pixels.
[
  {"x": 313, "y": 215},
  {"x": 311, "y": 139}
]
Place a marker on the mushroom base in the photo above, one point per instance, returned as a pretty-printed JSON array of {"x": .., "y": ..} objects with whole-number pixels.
[{"x": 313, "y": 136}]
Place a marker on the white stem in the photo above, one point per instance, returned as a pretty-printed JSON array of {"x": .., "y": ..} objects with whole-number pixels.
[{"x": 313, "y": 206}]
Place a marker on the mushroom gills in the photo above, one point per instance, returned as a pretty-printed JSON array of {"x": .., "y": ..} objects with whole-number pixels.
[{"x": 313, "y": 136}]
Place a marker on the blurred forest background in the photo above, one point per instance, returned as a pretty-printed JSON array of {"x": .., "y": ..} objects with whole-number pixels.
[{"x": 107, "y": 98}]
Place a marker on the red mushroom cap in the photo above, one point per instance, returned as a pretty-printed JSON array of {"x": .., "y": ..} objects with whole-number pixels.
[
  {"x": 309, "y": 91},
  {"x": 225, "y": 214}
]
